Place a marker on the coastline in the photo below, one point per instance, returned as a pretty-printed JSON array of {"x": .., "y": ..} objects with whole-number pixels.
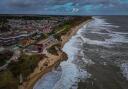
[{"x": 41, "y": 70}]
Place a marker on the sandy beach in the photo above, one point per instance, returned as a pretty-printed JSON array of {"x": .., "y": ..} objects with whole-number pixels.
[{"x": 52, "y": 60}]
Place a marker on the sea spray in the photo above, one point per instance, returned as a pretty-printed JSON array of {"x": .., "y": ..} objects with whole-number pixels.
[
  {"x": 69, "y": 75},
  {"x": 71, "y": 71}
]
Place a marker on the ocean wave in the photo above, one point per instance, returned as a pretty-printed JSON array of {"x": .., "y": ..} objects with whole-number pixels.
[{"x": 70, "y": 72}]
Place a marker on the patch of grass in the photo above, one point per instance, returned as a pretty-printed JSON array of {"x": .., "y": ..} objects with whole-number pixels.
[
  {"x": 25, "y": 65},
  {"x": 7, "y": 80},
  {"x": 53, "y": 50},
  {"x": 67, "y": 25}
]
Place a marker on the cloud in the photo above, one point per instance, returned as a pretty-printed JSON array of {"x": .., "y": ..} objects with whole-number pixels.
[
  {"x": 61, "y": 6},
  {"x": 25, "y": 3}
]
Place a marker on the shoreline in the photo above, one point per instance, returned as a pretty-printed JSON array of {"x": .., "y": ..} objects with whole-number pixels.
[{"x": 41, "y": 70}]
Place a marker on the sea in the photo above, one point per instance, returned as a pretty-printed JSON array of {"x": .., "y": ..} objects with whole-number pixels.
[{"x": 97, "y": 57}]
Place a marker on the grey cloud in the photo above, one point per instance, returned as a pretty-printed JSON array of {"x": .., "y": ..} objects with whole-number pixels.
[
  {"x": 25, "y": 3},
  {"x": 36, "y": 3},
  {"x": 48, "y": 6}
]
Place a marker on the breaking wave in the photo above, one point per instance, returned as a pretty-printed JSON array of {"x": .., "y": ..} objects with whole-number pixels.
[{"x": 69, "y": 75}]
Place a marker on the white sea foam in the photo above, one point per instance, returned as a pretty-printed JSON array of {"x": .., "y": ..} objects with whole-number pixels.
[
  {"x": 99, "y": 24},
  {"x": 117, "y": 38},
  {"x": 70, "y": 72},
  {"x": 48, "y": 80},
  {"x": 124, "y": 68},
  {"x": 69, "y": 76}
]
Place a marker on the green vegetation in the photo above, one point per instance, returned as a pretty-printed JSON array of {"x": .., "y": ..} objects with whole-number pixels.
[
  {"x": 60, "y": 30},
  {"x": 25, "y": 66},
  {"x": 5, "y": 56},
  {"x": 53, "y": 50},
  {"x": 67, "y": 25},
  {"x": 43, "y": 36},
  {"x": 7, "y": 80},
  {"x": 2, "y": 62},
  {"x": 38, "y": 36},
  {"x": 4, "y": 27}
]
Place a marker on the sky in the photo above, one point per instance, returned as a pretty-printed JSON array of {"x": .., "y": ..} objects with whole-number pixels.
[{"x": 64, "y": 7}]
